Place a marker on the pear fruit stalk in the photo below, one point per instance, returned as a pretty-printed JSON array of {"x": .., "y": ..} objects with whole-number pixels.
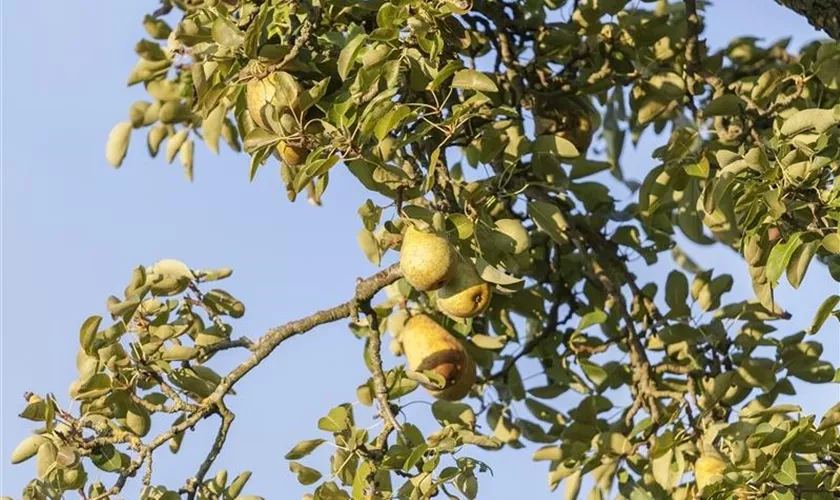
[
  {"x": 466, "y": 295},
  {"x": 427, "y": 260},
  {"x": 430, "y": 347}
]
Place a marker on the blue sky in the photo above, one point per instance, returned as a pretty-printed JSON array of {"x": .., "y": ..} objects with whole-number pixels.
[{"x": 73, "y": 229}]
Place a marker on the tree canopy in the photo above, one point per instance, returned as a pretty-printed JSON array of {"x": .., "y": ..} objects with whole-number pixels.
[{"x": 489, "y": 136}]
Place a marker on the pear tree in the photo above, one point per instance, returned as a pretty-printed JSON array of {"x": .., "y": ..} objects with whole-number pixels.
[{"x": 504, "y": 230}]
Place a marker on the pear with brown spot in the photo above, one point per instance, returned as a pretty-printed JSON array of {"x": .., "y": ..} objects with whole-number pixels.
[{"x": 430, "y": 347}]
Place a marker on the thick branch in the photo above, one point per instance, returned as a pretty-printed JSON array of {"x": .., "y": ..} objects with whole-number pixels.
[{"x": 822, "y": 14}]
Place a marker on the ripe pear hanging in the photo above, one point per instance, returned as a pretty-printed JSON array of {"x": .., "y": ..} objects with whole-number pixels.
[
  {"x": 466, "y": 295},
  {"x": 427, "y": 260},
  {"x": 429, "y": 347}
]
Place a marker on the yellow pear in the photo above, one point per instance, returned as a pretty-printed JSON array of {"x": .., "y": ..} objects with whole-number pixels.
[
  {"x": 466, "y": 295},
  {"x": 709, "y": 468},
  {"x": 258, "y": 95},
  {"x": 427, "y": 260},
  {"x": 514, "y": 230},
  {"x": 291, "y": 154},
  {"x": 429, "y": 347}
]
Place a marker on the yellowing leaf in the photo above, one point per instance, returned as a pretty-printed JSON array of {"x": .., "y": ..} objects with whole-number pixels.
[{"x": 117, "y": 146}]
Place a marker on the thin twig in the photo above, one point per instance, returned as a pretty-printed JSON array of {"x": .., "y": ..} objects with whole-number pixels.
[
  {"x": 380, "y": 388},
  {"x": 194, "y": 482}
]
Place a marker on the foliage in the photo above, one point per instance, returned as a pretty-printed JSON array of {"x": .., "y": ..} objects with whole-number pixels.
[{"x": 457, "y": 115}]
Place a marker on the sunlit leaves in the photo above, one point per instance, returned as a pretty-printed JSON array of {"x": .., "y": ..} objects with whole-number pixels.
[{"x": 473, "y": 80}]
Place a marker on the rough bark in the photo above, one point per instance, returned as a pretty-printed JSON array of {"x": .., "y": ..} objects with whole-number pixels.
[{"x": 822, "y": 14}]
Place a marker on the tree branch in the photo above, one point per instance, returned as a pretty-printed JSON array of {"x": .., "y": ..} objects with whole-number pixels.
[
  {"x": 821, "y": 14},
  {"x": 194, "y": 483},
  {"x": 380, "y": 388},
  {"x": 365, "y": 290}
]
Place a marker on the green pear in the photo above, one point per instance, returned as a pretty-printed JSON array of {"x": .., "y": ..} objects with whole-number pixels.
[
  {"x": 427, "y": 260},
  {"x": 430, "y": 347},
  {"x": 466, "y": 295}
]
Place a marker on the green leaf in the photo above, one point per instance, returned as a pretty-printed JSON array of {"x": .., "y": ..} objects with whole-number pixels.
[
  {"x": 780, "y": 256},
  {"x": 156, "y": 28},
  {"x": 237, "y": 484},
  {"x": 818, "y": 119},
  {"x": 211, "y": 128},
  {"x": 259, "y": 138},
  {"x": 415, "y": 455},
  {"x": 492, "y": 274},
  {"x": 593, "y": 372},
  {"x": 489, "y": 342},
  {"x": 823, "y": 313},
  {"x": 226, "y": 33},
  {"x": 447, "y": 412},
  {"x": 583, "y": 168},
  {"x": 107, "y": 458},
  {"x": 391, "y": 121},
  {"x": 87, "y": 333},
  {"x": 548, "y": 217},
  {"x": 155, "y": 136},
  {"x": 831, "y": 243},
  {"x": 724, "y": 105},
  {"x": 799, "y": 262},
  {"x": 313, "y": 169},
  {"x": 304, "y": 448},
  {"x": 173, "y": 145},
  {"x": 117, "y": 146},
  {"x": 369, "y": 245},
  {"x": 595, "y": 317},
  {"x": 758, "y": 372},
  {"x": 336, "y": 420},
  {"x": 447, "y": 71},
  {"x": 555, "y": 145},
  {"x": 46, "y": 459},
  {"x": 787, "y": 474},
  {"x": 572, "y": 487},
  {"x": 27, "y": 448},
  {"x": 676, "y": 293},
  {"x": 773, "y": 410},
  {"x": 831, "y": 418},
  {"x": 186, "y": 153},
  {"x": 348, "y": 55},
  {"x": 305, "y": 475},
  {"x": 473, "y": 80},
  {"x": 614, "y": 442}
]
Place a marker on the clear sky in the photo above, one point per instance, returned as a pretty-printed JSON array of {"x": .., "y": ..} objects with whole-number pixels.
[{"x": 73, "y": 229}]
